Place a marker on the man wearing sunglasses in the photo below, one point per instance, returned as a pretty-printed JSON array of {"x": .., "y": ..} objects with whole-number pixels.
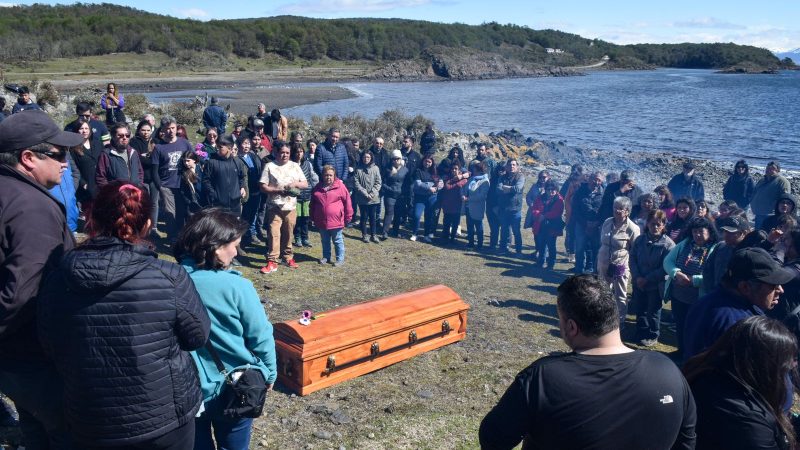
[
  {"x": 84, "y": 113},
  {"x": 33, "y": 237},
  {"x": 119, "y": 161}
]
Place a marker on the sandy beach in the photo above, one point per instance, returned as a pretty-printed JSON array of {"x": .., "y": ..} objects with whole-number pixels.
[{"x": 281, "y": 88}]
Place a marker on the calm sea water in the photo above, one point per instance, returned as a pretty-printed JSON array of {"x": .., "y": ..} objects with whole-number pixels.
[{"x": 700, "y": 113}]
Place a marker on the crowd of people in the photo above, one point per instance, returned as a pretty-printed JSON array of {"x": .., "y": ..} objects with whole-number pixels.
[{"x": 149, "y": 328}]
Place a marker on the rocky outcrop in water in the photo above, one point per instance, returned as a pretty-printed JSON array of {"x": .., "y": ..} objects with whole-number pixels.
[{"x": 439, "y": 63}]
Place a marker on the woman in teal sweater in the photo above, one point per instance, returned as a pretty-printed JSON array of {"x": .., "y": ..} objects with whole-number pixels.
[{"x": 240, "y": 329}]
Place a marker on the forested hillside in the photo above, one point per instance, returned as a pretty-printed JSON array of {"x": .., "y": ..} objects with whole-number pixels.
[{"x": 41, "y": 32}]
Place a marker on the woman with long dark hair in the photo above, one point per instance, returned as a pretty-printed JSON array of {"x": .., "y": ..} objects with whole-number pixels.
[
  {"x": 191, "y": 187},
  {"x": 144, "y": 143},
  {"x": 685, "y": 210},
  {"x": 85, "y": 157},
  {"x": 739, "y": 387},
  {"x": 666, "y": 201},
  {"x": 113, "y": 102},
  {"x": 241, "y": 333},
  {"x": 118, "y": 323}
]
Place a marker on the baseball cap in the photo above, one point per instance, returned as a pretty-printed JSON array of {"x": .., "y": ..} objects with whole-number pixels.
[
  {"x": 258, "y": 123},
  {"x": 28, "y": 128},
  {"x": 688, "y": 165},
  {"x": 755, "y": 263},
  {"x": 733, "y": 224}
]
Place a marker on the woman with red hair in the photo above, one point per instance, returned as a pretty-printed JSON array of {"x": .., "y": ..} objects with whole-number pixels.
[{"x": 119, "y": 324}]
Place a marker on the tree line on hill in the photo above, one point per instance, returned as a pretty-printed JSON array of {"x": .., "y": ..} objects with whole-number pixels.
[{"x": 41, "y": 32}]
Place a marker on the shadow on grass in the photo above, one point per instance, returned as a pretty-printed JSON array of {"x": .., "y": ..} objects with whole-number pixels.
[{"x": 546, "y": 314}]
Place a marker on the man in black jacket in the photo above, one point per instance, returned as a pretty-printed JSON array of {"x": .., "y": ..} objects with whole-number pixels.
[
  {"x": 585, "y": 208},
  {"x": 33, "y": 155},
  {"x": 84, "y": 111},
  {"x": 223, "y": 179},
  {"x": 644, "y": 401},
  {"x": 625, "y": 187}
]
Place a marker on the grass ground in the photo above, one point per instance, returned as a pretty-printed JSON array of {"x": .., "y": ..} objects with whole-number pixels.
[
  {"x": 432, "y": 401},
  {"x": 154, "y": 65}
]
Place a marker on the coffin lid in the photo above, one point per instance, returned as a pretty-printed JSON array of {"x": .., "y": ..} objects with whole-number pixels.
[{"x": 361, "y": 322}]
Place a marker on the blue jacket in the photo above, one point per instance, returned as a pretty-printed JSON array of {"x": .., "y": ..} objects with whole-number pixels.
[
  {"x": 336, "y": 158},
  {"x": 711, "y": 316},
  {"x": 64, "y": 192},
  {"x": 240, "y": 329},
  {"x": 215, "y": 117}
]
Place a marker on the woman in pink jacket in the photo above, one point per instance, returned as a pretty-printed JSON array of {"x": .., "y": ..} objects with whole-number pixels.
[{"x": 331, "y": 210}]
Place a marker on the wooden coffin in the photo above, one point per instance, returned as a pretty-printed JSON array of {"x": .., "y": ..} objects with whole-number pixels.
[{"x": 348, "y": 342}]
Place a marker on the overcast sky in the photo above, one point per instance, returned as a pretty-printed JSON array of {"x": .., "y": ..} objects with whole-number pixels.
[{"x": 774, "y": 25}]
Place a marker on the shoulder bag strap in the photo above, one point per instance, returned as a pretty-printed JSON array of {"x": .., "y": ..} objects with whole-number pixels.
[{"x": 215, "y": 357}]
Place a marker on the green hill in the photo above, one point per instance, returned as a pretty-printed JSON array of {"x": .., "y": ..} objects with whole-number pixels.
[{"x": 42, "y": 32}]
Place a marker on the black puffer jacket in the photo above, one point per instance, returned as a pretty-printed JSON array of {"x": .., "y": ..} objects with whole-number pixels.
[{"x": 119, "y": 323}]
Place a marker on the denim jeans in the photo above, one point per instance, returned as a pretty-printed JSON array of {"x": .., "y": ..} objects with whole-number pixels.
[
  {"x": 338, "y": 243},
  {"x": 389, "y": 218},
  {"x": 585, "y": 249},
  {"x": 546, "y": 245},
  {"x": 510, "y": 222},
  {"x": 475, "y": 231},
  {"x": 428, "y": 207},
  {"x": 229, "y": 434},
  {"x": 36, "y": 389},
  {"x": 647, "y": 306},
  {"x": 369, "y": 214}
]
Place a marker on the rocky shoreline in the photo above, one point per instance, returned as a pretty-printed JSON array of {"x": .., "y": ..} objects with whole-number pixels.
[{"x": 468, "y": 64}]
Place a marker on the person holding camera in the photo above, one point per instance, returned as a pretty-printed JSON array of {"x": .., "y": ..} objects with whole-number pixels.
[{"x": 113, "y": 102}]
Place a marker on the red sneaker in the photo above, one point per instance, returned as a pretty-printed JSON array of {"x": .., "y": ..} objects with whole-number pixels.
[
  {"x": 269, "y": 268},
  {"x": 291, "y": 263}
]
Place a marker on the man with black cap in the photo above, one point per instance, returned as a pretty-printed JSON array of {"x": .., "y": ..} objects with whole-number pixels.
[
  {"x": 733, "y": 229},
  {"x": 751, "y": 285},
  {"x": 687, "y": 184},
  {"x": 625, "y": 187},
  {"x": 215, "y": 116},
  {"x": 34, "y": 236}
]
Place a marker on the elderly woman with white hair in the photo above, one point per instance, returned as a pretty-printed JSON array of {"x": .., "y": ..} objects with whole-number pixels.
[{"x": 616, "y": 241}]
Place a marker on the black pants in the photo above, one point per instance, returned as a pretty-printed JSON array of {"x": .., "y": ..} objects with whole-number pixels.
[
  {"x": 389, "y": 216},
  {"x": 181, "y": 438},
  {"x": 369, "y": 212},
  {"x": 494, "y": 226},
  {"x": 450, "y": 225}
]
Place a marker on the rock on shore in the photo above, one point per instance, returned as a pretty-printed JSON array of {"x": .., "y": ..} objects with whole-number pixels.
[{"x": 439, "y": 63}]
